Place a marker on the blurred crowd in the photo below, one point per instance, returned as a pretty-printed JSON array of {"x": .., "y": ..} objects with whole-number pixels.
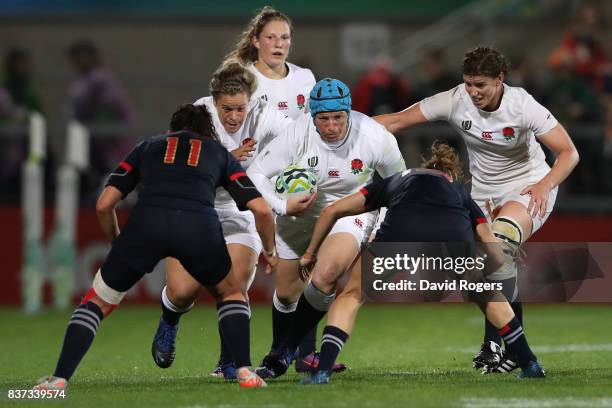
[
  {"x": 94, "y": 97},
  {"x": 575, "y": 85}
]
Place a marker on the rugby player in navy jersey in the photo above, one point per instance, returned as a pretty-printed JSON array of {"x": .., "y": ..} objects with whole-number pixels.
[
  {"x": 424, "y": 205},
  {"x": 178, "y": 173}
]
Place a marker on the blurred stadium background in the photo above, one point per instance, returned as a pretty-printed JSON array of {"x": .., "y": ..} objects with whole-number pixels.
[{"x": 58, "y": 141}]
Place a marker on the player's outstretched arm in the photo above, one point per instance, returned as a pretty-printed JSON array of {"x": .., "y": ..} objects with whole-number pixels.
[
  {"x": 395, "y": 122},
  {"x": 264, "y": 222},
  {"x": 560, "y": 143},
  {"x": 350, "y": 205},
  {"x": 105, "y": 210}
]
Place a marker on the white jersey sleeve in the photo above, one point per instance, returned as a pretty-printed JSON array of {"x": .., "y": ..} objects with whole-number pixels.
[
  {"x": 390, "y": 160},
  {"x": 537, "y": 117},
  {"x": 438, "y": 106},
  {"x": 275, "y": 157}
]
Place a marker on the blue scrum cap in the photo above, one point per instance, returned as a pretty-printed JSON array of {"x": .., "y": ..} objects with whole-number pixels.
[{"x": 329, "y": 95}]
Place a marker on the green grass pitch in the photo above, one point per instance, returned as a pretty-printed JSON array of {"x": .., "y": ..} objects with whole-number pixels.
[{"x": 408, "y": 355}]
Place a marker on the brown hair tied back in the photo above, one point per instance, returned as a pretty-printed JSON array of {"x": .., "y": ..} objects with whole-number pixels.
[
  {"x": 445, "y": 159},
  {"x": 244, "y": 51},
  {"x": 195, "y": 118},
  {"x": 232, "y": 78}
]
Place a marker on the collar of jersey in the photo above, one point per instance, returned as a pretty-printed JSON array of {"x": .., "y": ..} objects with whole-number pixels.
[{"x": 258, "y": 73}]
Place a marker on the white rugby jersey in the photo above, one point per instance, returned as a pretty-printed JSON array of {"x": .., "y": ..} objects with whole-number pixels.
[
  {"x": 290, "y": 94},
  {"x": 501, "y": 145},
  {"x": 262, "y": 123},
  {"x": 340, "y": 170}
]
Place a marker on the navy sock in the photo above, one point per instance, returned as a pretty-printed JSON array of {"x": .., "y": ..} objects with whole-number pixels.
[
  {"x": 282, "y": 317},
  {"x": 516, "y": 342},
  {"x": 225, "y": 356},
  {"x": 171, "y": 313},
  {"x": 331, "y": 344},
  {"x": 509, "y": 289},
  {"x": 309, "y": 343},
  {"x": 517, "y": 307},
  {"x": 234, "y": 317},
  {"x": 171, "y": 317},
  {"x": 491, "y": 333},
  {"x": 80, "y": 333},
  {"x": 306, "y": 318}
]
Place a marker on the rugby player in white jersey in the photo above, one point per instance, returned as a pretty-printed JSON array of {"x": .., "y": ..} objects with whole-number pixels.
[
  {"x": 501, "y": 126},
  {"x": 343, "y": 148},
  {"x": 264, "y": 47},
  {"x": 244, "y": 126}
]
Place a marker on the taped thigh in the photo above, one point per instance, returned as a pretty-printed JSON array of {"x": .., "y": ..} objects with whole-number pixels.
[{"x": 105, "y": 292}]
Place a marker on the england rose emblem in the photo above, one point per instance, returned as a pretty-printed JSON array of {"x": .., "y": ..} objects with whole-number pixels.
[
  {"x": 356, "y": 166},
  {"x": 301, "y": 101},
  {"x": 508, "y": 133}
]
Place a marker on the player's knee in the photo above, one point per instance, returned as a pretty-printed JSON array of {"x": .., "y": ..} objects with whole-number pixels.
[
  {"x": 317, "y": 298},
  {"x": 289, "y": 292},
  {"x": 325, "y": 275},
  {"x": 325, "y": 280},
  {"x": 509, "y": 232},
  {"x": 286, "y": 297},
  {"x": 510, "y": 236},
  {"x": 228, "y": 289},
  {"x": 181, "y": 295},
  {"x": 284, "y": 304}
]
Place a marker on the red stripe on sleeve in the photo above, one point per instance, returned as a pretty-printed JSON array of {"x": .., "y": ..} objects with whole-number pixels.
[
  {"x": 126, "y": 166},
  {"x": 480, "y": 220},
  {"x": 364, "y": 191},
  {"x": 237, "y": 175},
  {"x": 504, "y": 330}
]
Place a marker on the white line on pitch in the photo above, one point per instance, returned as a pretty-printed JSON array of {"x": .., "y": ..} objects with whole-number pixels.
[
  {"x": 535, "y": 402},
  {"x": 559, "y": 348}
]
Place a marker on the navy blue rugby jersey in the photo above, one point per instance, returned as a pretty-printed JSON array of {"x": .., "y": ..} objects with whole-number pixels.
[
  {"x": 424, "y": 190},
  {"x": 182, "y": 170}
]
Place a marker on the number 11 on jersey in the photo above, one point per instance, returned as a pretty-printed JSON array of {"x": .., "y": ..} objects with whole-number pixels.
[{"x": 172, "y": 146}]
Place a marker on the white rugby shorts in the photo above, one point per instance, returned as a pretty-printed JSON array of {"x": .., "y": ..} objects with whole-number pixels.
[
  {"x": 500, "y": 196},
  {"x": 239, "y": 228},
  {"x": 293, "y": 233}
]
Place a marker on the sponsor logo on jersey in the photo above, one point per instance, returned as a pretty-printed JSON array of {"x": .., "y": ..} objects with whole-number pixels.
[
  {"x": 356, "y": 166},
  {"x": 508, "y": 133},
  {"x": 466, "y": 124},
  {"x": 313, "y": 161},
  {"x": 283, "y": 105},
  {"x": 301, "y": 101},
  {"x": 358, "y": 223},
  {"x": 333, "y": 174},
  {"x": 487, "y": 135}
]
